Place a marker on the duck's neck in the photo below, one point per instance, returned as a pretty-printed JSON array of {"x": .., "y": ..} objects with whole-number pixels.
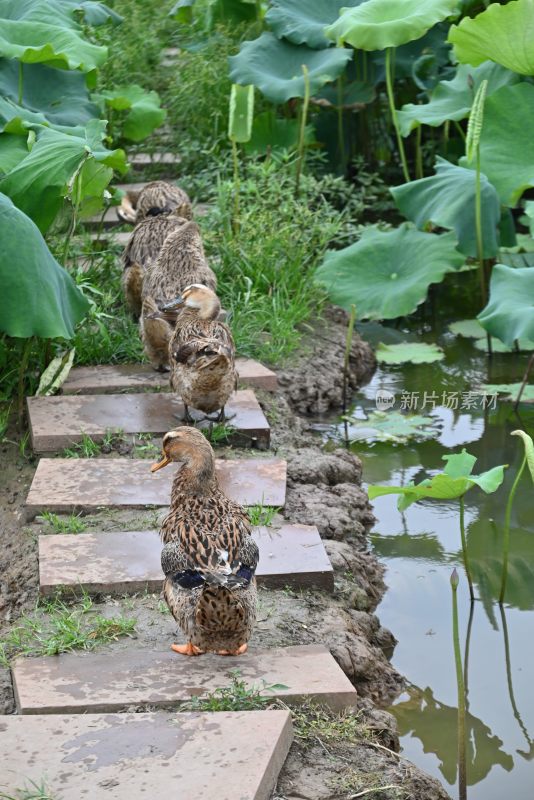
[{"x": 196, "y": 477}]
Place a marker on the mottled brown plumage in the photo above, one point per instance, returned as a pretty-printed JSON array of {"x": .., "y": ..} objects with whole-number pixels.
[
  {"x": 155, "y": 198},
  {"x": 202, "y": 353},
  {"x": 181, "y": 261},
  {"x": 141, "y": 252},
  {"x": 209, "y": 557}
]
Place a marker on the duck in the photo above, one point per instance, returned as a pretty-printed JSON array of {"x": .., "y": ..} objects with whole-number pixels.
[
  {"x": 140, "y": 253},
  {"x": 154, "y": 199},
  {"x": 181, "y": 262},
  {"x": 209, "y": 557},
  {"x": 201, "y": 353}
]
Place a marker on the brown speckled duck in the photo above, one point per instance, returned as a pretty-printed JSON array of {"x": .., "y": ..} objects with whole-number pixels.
[
  {"x": 209, "y": 557},
  {"x": 141, "y": 252},
  {"x": 201, "y": 353},
  {"x": 155, "y": 198},
  {"x": 181, "y": 261}
]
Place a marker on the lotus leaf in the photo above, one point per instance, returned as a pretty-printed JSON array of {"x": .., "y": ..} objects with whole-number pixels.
[
  {"x": 501, "y": 33},
  {"x": 506, "y": 151},
  {"x": 510, "y": 391},
  {"x": 38, "y": 184},
  {"x": 408, "y": 352},
  {"x": 377, "y": 24},
  {"x": 39, "y": 298},
  {"x": 392, "y": 426},
  {"x": 452, "y": 100},
  {"x": 302, "y": 22},
  {"x": 469, "y": 328},
  {"x": 529, "y": 449},
  {"x": 509, "y": 314},
  {"x": 44, "y": 31},
  {"x": 12, "y": 150},
  {"x": 523, "y": 346},
  {"x": 241, "y": 113},
  {"x": 94, "y": 13},
  {"x": 275, "y": 67},
  {"x": 455, "y": 480},
  {"x": 447, "y": 199},
  {"x": 272, "y": 131},
  {"x": 144, "y": 112},
  {"x": 58, "y": 96},
  {"x": 386, "y": 274}
]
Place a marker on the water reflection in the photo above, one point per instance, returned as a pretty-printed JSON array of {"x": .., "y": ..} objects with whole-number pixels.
[{"x": 435, "y": 724}]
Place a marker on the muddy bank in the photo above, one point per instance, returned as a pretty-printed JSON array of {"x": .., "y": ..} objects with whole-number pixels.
[{"x": 313, "y": 384}]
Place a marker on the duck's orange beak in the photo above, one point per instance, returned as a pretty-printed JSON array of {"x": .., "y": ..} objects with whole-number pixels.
[{"x": 163, "y": 463}]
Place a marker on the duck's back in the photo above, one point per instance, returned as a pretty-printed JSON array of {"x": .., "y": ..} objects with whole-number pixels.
[{"x": 147, "y": 239}]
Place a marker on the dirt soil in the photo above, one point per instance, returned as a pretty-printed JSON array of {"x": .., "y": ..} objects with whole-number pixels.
[{"x": 324, "y": 489}]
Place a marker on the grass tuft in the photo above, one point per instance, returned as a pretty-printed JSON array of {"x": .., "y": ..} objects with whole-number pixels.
[
  {"x": 64, "y": 524},
  {"x": 236, "y": 697},
  {"x": 262, "y": 515}
]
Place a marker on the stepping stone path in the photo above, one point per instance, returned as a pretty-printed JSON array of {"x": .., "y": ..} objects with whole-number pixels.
[
  {"x": 59, "y": 422},
  {"x": 104, "y": 681},
  {"x": 113, "y": 378},
  {"x": 65, "y": 485},
  {"x": 139, "y": 756},
  {"x": 208, "y": 756},
  {"x": 128, "y": 562}
]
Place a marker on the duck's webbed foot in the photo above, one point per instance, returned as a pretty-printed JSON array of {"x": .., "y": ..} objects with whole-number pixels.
[
  {"x": 187, "y": 418},
  {"x": 188, "y": 649},
  {"x": 239, "y": 652},
  {"x": 220, "y": 417}
]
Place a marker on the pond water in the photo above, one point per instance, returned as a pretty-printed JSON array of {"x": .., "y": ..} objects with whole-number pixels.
[{"x": 421, "y": 546}]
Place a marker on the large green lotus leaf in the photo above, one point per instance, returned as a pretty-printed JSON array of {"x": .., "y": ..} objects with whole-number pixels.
[
  {"x": 502, "y": 33},
  {"x": 377, "y": 24},
  {"x": 303, "y": 22},
  {"x": 38, "y": 184},
  {"x": 509, "y": 314},
  {"x": 276, "y": 133},
  {"x": 455, "y": 480},
  {"x": 447, "y": 199},
  {"x": 60, "y": 12},
  {"x": 506, "y": 143},
  {"x": 408, "y": 353},
  {"x": 275, "y": 67},
  {"x": 144, "y": 110},
  {"x": 60, "y": 96},
  {"x": 39, "y": 298},
  {"x": 392, "y": 426},
  {"x": 13, "y": 149},
  {"x": 452, "y": 100},
  {"x": 94, "y": 13},
  {"x": 17, "y": 119},
  {"x": 386, "y": 274}
]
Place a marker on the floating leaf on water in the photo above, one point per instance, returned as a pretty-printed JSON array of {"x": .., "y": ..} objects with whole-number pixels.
[
  {"x": 412, "y": 352},
  {"x": 468, "y": 328},
  {"x": 509, "y": 391},
  {"x": 523, "y": 346},
  {"x": 392, "y": 426}
]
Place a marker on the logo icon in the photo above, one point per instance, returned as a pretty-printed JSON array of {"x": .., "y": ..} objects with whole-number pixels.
[{"x": 384, "y": 399}]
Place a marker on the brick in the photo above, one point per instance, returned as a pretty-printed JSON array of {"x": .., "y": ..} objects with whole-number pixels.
[
  {"x": 128, "y": 562},
  {"x": 59, "y": 422},
  {"x": 114, "y": 378},
  {"x": 86, "y": 484},
  {"x": 210, "y": 756},
  {"x": 134, "y": 676}
]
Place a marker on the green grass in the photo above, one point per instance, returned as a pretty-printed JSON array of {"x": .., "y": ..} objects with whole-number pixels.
[
  {"x": 219, "y": 433},
  {"x": 144, "y": 447},
  {"x": 65, "y": 524},
  {"x": 262, "y": 515},
  {"x": 32, "y": 791},
  {"x": 56, "y": 627},
  {"x": 236, "y": 697},
  {"x": 88, "y": 448}
]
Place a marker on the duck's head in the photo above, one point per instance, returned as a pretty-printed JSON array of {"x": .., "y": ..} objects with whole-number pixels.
[
  {"x": 197, "y": 298},
  {"x": 189, "y": 446}
]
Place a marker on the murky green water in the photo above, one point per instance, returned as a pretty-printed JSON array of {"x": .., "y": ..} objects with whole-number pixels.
[{"x": 420, "y": 548}]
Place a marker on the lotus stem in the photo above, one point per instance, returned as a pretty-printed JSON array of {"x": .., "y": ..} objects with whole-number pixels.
[
  {"x": 25, "y": 357},
  {"x": 346, "y": 366},
  {"x": 391, "y": 99},
  {"x": 21, "y": 81},
  {"x": 418, "y": 154},
  {"x": 506, "y": 537},
  {"x": 511, "y": 693},
  {"x": 235, "y": 158},
  {"x": 302, "y": 134},
  {"x": 524, "y": 381},
  {"x": 462, "y": 771},
  {"x": 464, "y": 548},
  {"x": 340, "y": 136},
  {"x": 480, "y": 240}
]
